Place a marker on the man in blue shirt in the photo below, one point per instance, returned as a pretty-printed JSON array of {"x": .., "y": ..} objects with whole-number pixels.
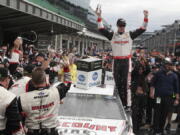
[{"x": 165, "y": 90}]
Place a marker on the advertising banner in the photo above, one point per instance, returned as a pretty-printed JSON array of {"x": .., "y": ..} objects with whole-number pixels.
[
  {"x": 91, "y": 126},
  {"x": 86, "y": 80}
]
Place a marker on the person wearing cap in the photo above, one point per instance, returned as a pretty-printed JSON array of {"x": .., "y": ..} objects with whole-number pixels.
[
  {"x": 121, "y": 42},
  {"x": 165, "y": 90},
  {"x": 3, "y": 58},
  {"x": 33, "y": 55},
  {"x": 10, "y": 120},
  {"x": 40, "y": 104},
  {"x": 174, "y": 108}
]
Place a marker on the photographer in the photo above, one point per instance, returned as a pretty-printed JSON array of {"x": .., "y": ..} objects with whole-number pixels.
[
  {"x": 3, "y": 59},
  {"x": 53, "y": 71},
  {"x": 139, "y": 90},
  {"x": 49, "y": 64}
]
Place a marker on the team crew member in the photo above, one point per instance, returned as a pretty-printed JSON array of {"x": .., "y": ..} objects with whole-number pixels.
[
  {"x": 40, "y": 104},
  {"x": 165, "y": 90},
  {"x": 121, "y": 42},
  {"x": 9, "y": 114},
  {"x": 22, "y": 85}
]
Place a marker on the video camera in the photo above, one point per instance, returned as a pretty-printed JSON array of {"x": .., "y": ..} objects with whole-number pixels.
[
  {"x": 53, "y": 64},
  {"x": 1, "y": 51}
]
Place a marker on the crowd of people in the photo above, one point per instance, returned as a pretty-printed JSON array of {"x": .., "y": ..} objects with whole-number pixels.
[
  {"x": 23, "y": 69},
  {"x": 155, "y": 91},
  {"x": 29, "y": 100},
  {"x": 28, "y": 97},
  {"x": 27, "y": 75},
  {"x": 153, "y": 79}
]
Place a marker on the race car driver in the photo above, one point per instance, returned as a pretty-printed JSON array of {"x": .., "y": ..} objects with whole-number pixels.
[{"x": 121, "y": 42}]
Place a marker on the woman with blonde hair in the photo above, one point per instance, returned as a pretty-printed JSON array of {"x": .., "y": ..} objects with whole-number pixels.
[
  {"x": 16, "y": 54},
  {"x": 64, "y": 73}
]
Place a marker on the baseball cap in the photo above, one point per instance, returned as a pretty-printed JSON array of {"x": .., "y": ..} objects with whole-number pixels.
[
  {"x": 3, "y": 73},
  {"x": 29, "y": 68},
  {"x": 177, "y": 63},
  {"x": 167, "y": 61},
  {"x": 121, "y": 22},
  {"x": 41, "y": 55}
]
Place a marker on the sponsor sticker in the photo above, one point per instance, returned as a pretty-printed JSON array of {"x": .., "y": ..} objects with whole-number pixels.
[
  {"x": 81, "y": 78},
  {"x": 95, "y": 76}
]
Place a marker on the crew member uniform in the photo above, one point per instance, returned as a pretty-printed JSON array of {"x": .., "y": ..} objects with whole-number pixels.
[
  {"x": 40, "y": 108},
  {"x": 20, "y": 86},
  {"x": 10, "y": 120}
]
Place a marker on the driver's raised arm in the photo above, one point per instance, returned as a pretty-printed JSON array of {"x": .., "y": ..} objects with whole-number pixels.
[
  {"x": 101, "y": 27},
  {"x": 142, "y": 29}
]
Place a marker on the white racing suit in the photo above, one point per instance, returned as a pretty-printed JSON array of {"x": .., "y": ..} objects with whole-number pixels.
[
  {"x": 20, "y": 86},
  {"x": 121, "y": 49},
  {"x": 9, "y": 115}
]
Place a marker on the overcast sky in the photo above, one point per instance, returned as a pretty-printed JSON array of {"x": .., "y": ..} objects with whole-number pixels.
[{"x": 161, "y": 12}]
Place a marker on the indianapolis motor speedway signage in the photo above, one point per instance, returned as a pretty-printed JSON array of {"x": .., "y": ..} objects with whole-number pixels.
[{"x": 90, "y": 126}]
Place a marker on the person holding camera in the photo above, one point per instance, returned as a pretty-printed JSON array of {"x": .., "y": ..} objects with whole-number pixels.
[{"x": 3, "y": 59}]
